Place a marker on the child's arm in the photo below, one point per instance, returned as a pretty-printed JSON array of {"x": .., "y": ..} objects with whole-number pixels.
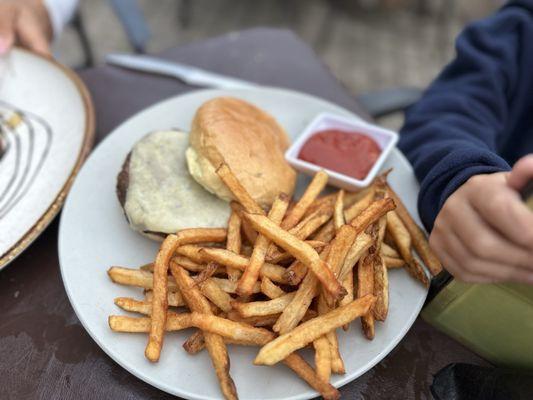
[
  {"x": 454, "y": 131},
  {"x": 481, "y": 230}
]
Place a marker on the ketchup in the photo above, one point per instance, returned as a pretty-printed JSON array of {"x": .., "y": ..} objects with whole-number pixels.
[{"x": 349, "y": 153}]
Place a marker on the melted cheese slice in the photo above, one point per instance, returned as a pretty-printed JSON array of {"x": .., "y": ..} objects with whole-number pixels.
[{"x": 162, "y": 196}]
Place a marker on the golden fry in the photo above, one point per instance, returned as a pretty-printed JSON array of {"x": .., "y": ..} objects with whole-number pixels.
[
  {"x": 159, "y": 301},
  {"x": 201, "y": 235},
  {"x": 228, "y": 258},
  {"x": 372, "y": 213},
  {"x": 322, "y": 358},
  {"x": 318, "y": 183},
  {"x": 238, "y": 191},
  {"x": 216, "y": 294},
  {"x": 270, "y": 289},
  {"x": 402, "y": 239},
  {"x": 388, "y": 251},
  {"x": 234, "y": 242},
  {"x": 306, "y": 372},
  {"x": 257, "y": 259},
  {"x": 365, "y": 287},
  {"x": 261, "y": 308},
  {"x": 420, "y": 242},
  {"x": 278, "y": 256},
  {"x": 338, "y": 210},
  {"x": 231, "y": 287},
  {"x": 207, "y": 272},
  {"x": 174, "y": 322},
  {"x": 303, "y": 334},
  {"x": 337, "y": 364},
  {"x": 174, "y": 298},
  {"x": 136, "y": 277},
  {"x": 301, "y": 251},
  {"x": 392, "y": 262},
  {"x": 362, "y": 243},
  {"x": 348, "y": 284},
  {"x": 381, "y": 290},
  {"x": 214, "y": 343}
]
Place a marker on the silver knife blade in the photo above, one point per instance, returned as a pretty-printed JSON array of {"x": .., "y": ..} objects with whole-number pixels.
[{"x": 183, "y": 72}]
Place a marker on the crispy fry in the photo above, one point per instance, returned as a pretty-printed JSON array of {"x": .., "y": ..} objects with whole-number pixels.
[
  {"x": 270, "y": 289},
  {"x": 419, "y": 240},
  {"x": 322, "y": 358},
  {"x": 234, "y": 243},
  {"x": 159, "y": 302},
  {"x": 236, "y": 331},
  {"x": 278, "y": 256},
  {"x": 359, "y": 206},
  {"x": 306, "y": 227},
  {"x": 338, "y": 210},
  {"x": 136, "y": 277},
  {"x": 174, "y": 322},
  {"x": 348, "y": 284},
  {"x": 337, "y": 364},
  {"x": 401, "y": 236},
  {"x": 362, "y": 243},
  {"x": 302, "y": 335},
  {"x": 214, "y": 343},
  {"x": 258, "y": 308},
  {"x": 340, "y": 246},
  {"x": 257, "y": 259},
  {"x": 190, "y": 251},
  {"x": 318, "y": 183},
  {"x": 238, "y": 191},
  {"x": 174, "y": 298},
  {"x": 296, "y": 309},
  {"x": 365, "y": 287},
  {"x": 228, "y": 258},
  {"x": 388, "y": 251},
  {"x": 195, "y": 343},
  {"x": 381, "y": 290},
  {"x": 392, "y": 262},
  {"x": 262, "y": 320},
  {"x": 142, "y": 307},
  {"x": 300, "y": 250},
  {"x": 231, "y": 287},
  {"x": 306, "y": 372},
  {"x": 201, "y": 235},
  {"x": 206, "y": 273},
  {"x": 213, "y": 292},
  {"x": 372, "y": 213}
]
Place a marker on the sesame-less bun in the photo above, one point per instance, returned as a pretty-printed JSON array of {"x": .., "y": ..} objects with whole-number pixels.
[{"x": 248, "y": 140}]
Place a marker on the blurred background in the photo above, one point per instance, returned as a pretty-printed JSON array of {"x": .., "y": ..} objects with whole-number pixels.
[{"x": 367, "y": 44}]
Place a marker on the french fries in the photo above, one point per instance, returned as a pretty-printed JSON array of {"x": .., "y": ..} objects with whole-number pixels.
[
  {"x": 279, "y": 348},
  {"x": 400, "y": 234},
  {"x": 300, "y": 250},
  {"x": 234, "y": 242},
  {"x": 257, "y": 259},
  {"x": 229, "y": 285},
  {"x": 420, "y": 243},
  {"x": 311, "y": 193},
  {"x": 159, "y": 302},
  {"x": 270, "y": 289}
]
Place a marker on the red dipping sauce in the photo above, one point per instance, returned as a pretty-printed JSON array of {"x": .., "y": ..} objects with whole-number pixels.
[{"x": 349, "y": 153}]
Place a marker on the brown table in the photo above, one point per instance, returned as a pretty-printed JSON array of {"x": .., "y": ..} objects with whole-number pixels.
[{"x": 45, "y": 352}]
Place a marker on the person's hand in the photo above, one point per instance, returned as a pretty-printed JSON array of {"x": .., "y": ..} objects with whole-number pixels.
[
  {"x": 484, "y": 232},
  {"x": 25, "y": 23}
]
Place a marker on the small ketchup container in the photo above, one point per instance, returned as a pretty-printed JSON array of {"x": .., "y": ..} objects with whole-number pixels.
[{"x": 384, "y": 138}]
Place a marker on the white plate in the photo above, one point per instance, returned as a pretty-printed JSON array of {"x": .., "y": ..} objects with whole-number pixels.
[
  {"x": 43, "y": 152},
  {"x": 94, "y": 236}
]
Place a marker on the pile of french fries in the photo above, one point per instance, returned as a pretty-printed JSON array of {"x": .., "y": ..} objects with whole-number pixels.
[{"x": 281, "y": 280}]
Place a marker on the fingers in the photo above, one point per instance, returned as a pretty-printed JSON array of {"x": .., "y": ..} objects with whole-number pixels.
[
  {"x": 31, "y": 34},
  {"x": 8, "y": 17},
  {"x": 501, "y": 207},
  {"x": 467, "y": 267},
  {"x": 522, "y": 173}
]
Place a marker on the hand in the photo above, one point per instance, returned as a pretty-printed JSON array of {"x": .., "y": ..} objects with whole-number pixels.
[
  {"x": 484, "y": 232},
  {"x": 26, "y": 23}
]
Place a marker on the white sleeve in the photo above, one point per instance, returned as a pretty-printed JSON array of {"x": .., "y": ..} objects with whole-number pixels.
[{"x": 60, "y": 12}]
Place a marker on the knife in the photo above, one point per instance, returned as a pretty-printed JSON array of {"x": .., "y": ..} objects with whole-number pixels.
[{"x": 185, "y": 73}]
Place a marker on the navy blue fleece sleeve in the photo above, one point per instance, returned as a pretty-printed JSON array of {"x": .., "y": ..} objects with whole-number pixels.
[{"x": 454, "y": 131}]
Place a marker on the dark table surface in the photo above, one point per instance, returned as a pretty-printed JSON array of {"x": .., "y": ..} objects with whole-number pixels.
[{"x": 44, "y": 351}]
